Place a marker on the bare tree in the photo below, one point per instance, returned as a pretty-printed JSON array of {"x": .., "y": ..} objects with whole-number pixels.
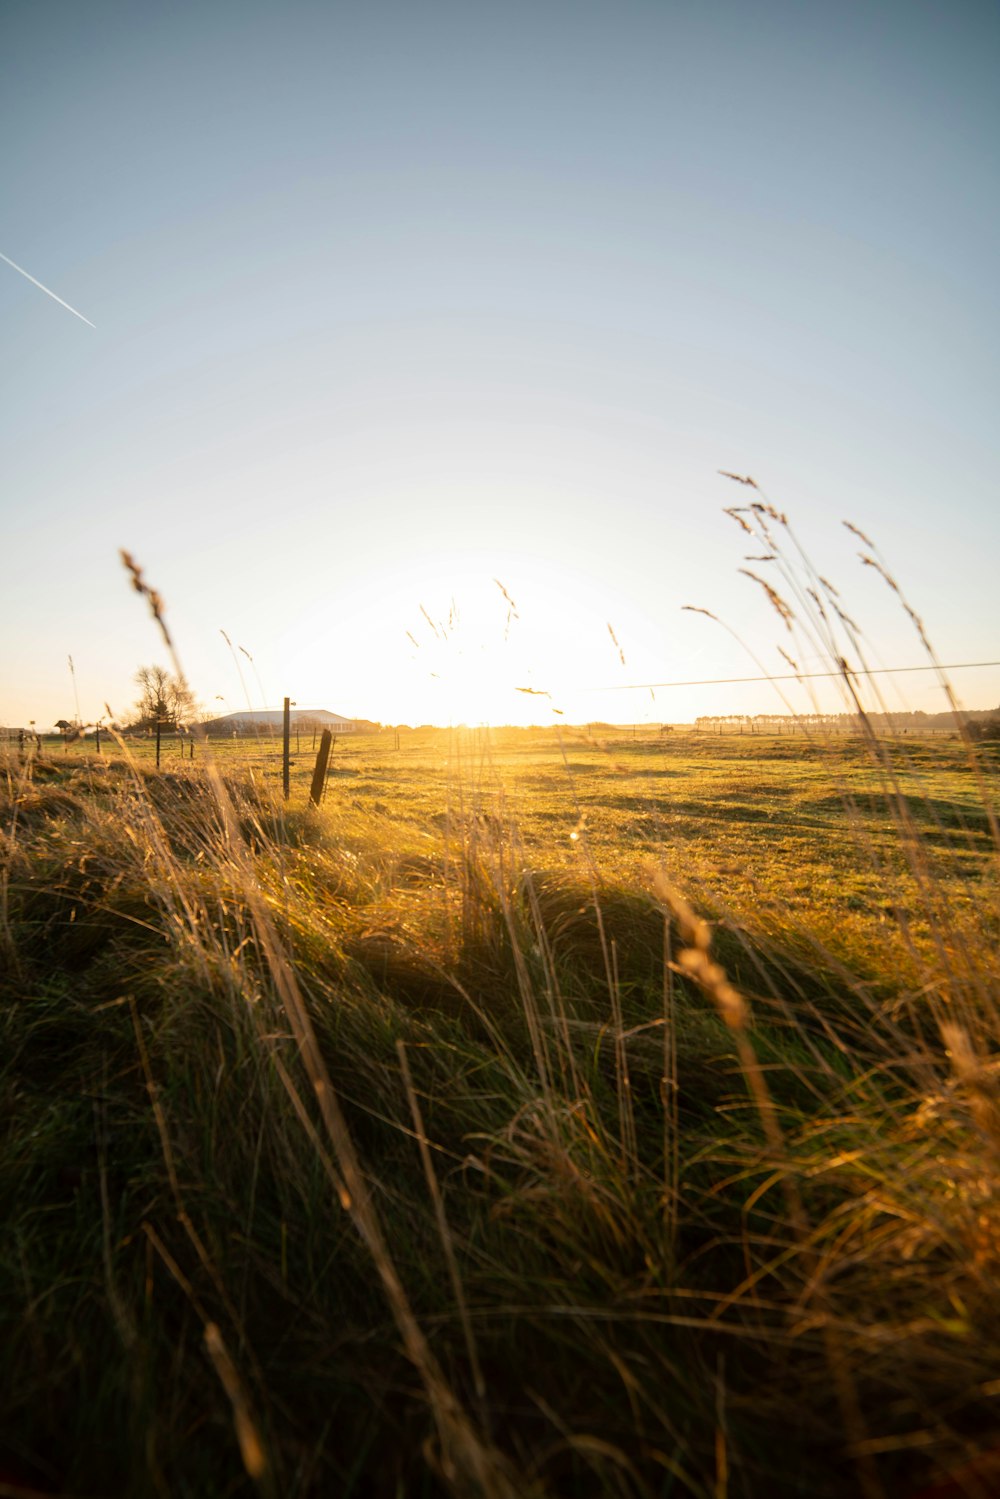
[{"x": 163, "y": 698}]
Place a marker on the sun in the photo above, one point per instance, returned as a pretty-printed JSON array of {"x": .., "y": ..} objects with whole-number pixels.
[{"x": 473, "y": 639}]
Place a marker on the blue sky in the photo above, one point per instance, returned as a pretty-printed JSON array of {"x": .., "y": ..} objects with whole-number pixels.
[{"x": 394, "y": 299}]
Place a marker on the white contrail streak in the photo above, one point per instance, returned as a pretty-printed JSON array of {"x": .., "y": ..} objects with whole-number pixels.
[{"x": 47, "y": 292}]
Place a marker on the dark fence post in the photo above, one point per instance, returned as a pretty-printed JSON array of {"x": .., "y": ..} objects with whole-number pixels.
[
  {"x": 319, "y": 774},
  {"x": 157, "y": 741},
  {"x": 286, "y": 745}
]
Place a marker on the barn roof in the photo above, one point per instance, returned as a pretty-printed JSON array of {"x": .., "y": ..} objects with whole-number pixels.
[{"x": 267, "y": 716}]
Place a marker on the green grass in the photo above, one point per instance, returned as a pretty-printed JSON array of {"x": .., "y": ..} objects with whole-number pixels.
[{"x": 663, "y": 1250}]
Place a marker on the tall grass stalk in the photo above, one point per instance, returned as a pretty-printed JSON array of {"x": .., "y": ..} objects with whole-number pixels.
[{"x": 467, "y": 1462}]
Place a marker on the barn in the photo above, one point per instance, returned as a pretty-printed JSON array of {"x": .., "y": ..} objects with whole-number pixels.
[{"x": 269, "y": 721}]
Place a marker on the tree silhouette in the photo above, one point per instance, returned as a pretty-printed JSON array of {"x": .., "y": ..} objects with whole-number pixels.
[{"x": 163, "y": 698}]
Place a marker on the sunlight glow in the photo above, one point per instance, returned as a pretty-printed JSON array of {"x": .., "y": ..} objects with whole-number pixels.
[{"x": 462, "y": 641}]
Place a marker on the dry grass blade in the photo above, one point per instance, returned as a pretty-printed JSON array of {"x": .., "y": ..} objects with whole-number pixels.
[
  {"x": 467, "y": 1462},
  {"x": 444, "y": 1231},
  {"x": 695, "y": 961},
  {"x": 251, "y": 1447}
]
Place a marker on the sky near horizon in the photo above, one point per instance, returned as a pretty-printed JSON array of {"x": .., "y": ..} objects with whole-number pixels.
[{"x": 394, "y": 300}]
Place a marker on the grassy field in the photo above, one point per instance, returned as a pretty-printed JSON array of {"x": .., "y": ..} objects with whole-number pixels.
[{"x": 547, "y": 1113}]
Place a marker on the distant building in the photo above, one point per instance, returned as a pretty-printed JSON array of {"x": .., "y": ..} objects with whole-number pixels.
[{"x": 269, "y": 721}]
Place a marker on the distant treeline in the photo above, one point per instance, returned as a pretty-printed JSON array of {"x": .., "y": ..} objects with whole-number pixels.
[{"x": 982, "y": 723}]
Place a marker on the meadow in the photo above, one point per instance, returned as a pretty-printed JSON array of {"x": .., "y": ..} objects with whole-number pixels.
[{"x": 549, "y": 1112}]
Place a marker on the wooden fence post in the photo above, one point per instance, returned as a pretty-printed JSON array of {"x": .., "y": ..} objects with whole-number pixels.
[
  {"x": 157, "y": 741},
  {"x": 319, "y": 774},
  {"x": 286, "y": 734}
]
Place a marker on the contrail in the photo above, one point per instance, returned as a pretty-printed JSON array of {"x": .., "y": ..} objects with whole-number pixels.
[{"x": 47, "y": 292}]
